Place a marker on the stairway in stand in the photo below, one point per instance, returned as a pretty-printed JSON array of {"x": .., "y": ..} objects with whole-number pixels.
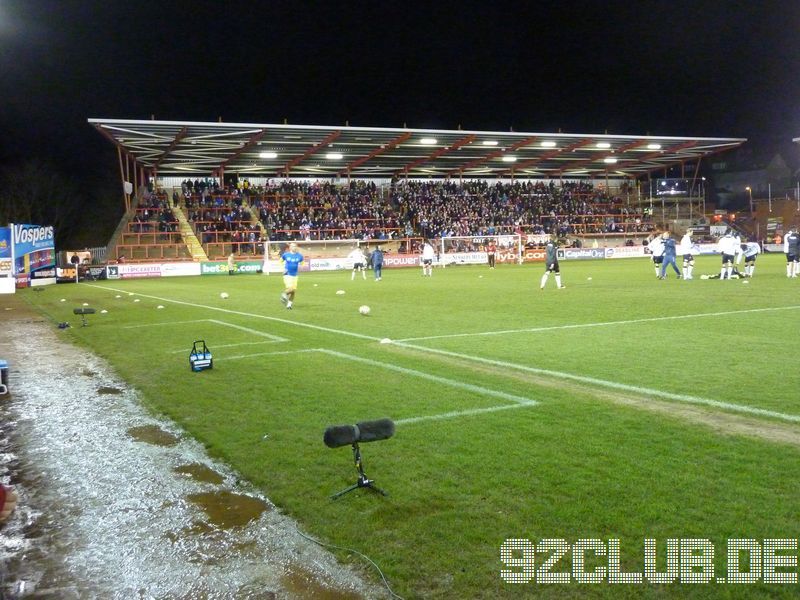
[{"x": 188, "y": 236}]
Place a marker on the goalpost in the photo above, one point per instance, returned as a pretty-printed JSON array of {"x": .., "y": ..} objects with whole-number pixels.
[{"x": 472, "y": 249}]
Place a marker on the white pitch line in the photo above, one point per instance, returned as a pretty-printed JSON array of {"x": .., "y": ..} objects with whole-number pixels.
[
  {"x": 257, "y": 354},
  {"x": 161, "y": 324},
  {"x": 459, "y": 413},
  {"x": 615, "y": 385},
  {"x": 274, "y": 338},
  {"x": 245, "y": 314},
  {"x": 217, "y": 346},
  {"x": 556, "y": 374},
  {"x": 519, "y": 401},
  {"x": 599, "y": 324},
  {"x": 477, "y": 389}
]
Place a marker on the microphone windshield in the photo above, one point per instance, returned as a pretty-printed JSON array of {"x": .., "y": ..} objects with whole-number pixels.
[
  {"x": 365, "y": 431},
  {"x": 372, "y": 431},
  {"x": 340, "y": 435}
]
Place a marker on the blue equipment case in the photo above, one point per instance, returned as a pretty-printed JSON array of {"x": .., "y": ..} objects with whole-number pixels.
[{"x": 200, "y": 356}]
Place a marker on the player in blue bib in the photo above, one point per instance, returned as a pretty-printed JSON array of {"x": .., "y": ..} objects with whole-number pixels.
[{"x": 291, "y": 263}]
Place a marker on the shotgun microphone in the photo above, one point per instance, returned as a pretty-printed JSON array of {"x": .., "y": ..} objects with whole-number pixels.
[{"x": 365, "y": 431}]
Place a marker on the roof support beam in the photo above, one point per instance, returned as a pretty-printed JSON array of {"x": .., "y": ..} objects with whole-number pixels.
[
  {"x": 181, "y": 134},
  {"x": 652, "y": 155},
  {"x": 547, "y": 156},
  {"x": 377, "y": 152},
  {"x": 313, "y": 150},
  {"x": 495, "y": 154},
  {"x": 602, "y": 155},
  {"x": 440, "y": 152},
  {"x": 244, "y": 148}
]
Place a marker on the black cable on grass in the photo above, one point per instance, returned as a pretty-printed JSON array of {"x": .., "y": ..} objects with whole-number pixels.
[{"x": 364, "y": 556}]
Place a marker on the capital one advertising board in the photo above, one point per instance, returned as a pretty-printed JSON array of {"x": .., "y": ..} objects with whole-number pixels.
[{"x": 34, "y": 254}]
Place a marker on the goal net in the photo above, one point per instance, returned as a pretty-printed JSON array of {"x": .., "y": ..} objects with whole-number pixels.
[{"x": 473, "y": 249}]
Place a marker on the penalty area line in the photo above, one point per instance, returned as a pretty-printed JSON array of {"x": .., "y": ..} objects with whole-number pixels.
[{"x": 640, "y": 391}]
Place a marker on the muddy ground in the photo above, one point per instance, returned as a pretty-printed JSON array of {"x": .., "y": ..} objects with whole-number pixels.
[{"x": 117, "y": 504}]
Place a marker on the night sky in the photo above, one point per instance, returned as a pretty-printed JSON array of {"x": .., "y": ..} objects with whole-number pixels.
[{"x": 689, "y": 68}]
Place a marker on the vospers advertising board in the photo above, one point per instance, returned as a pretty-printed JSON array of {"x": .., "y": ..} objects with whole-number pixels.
[{"x": 34, "y": 254}]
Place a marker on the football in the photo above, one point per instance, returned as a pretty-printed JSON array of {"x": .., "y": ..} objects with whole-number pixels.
[
  {"x": 223, "y": 295},
  {"x": 363, "y": 309}
]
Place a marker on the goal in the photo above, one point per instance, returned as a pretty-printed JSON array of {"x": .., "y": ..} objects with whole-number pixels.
[{"x": 472, "y": 249}]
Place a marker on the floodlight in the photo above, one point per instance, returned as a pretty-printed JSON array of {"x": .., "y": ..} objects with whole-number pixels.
[
  {"x": 603, "y": 145},
  {"x": 610, "y": 160},
  {"x": 548, "y": 144},
  {"x": 268, "y": 155},
  {"x": 428, "y": 141},
  {"x": 509, "y": 158},
  {"x": 654, "y": 146},
  {"x": 334, "y": 156},
  {"x": 489, "y": 142}
]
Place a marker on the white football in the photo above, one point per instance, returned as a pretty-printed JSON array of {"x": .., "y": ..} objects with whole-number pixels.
[
  {"x": 160, "y": 306},
  {"x": 363, "y": 309},
  {"x": 223, "y": 295},
  {"x": 103, "y": 312},
  {"x": 340, "y": 292},
  {"x": 136, "y": 300}
]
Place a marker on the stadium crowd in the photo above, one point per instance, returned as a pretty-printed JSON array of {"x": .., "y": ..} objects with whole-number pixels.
[{"x": 322, "y": 210}]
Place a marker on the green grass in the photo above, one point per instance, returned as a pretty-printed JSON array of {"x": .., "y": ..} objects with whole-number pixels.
[{"x": 574, "y": 466}]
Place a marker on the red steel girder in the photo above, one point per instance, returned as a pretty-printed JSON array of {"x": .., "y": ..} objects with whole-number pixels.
[
  {"x": 181, "y": 134},
  {"x": 603, "y": 155},
  {"x": 548, "y": 155},
  {"x": 313, "y": 150},
  {"x": 441, "y": 151},
  {"x": 380, "y": 150},
  {"x": 495, "y": 154},
  {"x": 641, "y": 159},
  {"x": 249, "y": 144}
]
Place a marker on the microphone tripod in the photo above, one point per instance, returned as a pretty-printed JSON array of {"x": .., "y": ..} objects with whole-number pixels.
[{"x": 363, "y": 481}]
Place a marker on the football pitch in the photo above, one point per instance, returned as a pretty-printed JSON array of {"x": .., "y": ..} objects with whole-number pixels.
[{"x": 619, "y": 408}]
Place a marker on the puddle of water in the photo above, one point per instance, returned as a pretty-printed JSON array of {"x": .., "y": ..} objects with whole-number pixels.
[
  {"x": 227, "y": 510},
  {"x": 153, "y": 434},
  {"x": 302, "y": 583},
  {"x": 200, "y": 472},
  {"x": 108, "y": 390}
]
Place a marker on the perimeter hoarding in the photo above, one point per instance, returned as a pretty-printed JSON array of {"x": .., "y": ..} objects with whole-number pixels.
[
  {"x": 6, "y": 262},
  {"x": 33, "y": 254}
]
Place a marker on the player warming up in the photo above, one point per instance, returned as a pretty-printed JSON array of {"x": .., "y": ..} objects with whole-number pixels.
[
  {"x": 291, "y": 263},
  {"x": 427, "y": 259},
  {"x": 551, "y": 265},
  {"x": 728, "y": 247},
  {"x": 688, "y": 249},
  {"x": 656, "y": 247},
  {"x": 359, "y": 263},
  {"x": 791, "y": 248},
  {"x": 750, "y": 251}
]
